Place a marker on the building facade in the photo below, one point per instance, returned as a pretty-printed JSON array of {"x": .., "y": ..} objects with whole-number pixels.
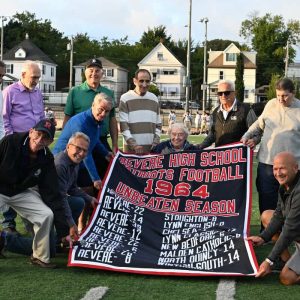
[
  {"x": 27, "y": 50},
  {"x": 221, "y": 66},
  {"x": 167, "y": 71}
]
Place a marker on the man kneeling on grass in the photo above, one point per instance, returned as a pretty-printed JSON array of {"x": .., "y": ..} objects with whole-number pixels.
[
  {"x": 283, "y": 224},
  {"x": 28, "y": 184}
]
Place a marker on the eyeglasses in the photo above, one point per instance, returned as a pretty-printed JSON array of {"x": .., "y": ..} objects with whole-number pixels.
[
  {"x": 79, "y": 149},
  {"x": 144, "y": 80},
  {"x": 226, "y": 93}
]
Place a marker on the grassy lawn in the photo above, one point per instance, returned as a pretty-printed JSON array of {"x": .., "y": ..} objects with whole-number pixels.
[{"x": 20, "y": 280}]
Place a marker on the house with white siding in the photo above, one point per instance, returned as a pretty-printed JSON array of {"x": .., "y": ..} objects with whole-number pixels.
[
  {"x": 167, "y": 72},
  {"x": 114, "y": 77},
  {"x": 221, "y": 66},
  {"x": 27, "y": 50}
]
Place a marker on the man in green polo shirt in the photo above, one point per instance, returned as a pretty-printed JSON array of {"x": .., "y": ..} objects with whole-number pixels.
[{"x": 81, "y": 97}]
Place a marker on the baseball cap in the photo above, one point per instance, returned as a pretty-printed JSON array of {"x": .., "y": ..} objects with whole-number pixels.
[
  {"x": 94, "y": 62},
  {"x": 47, "y": 126}
]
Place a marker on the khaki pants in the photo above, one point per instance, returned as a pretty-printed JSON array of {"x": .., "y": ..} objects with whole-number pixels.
[{"x": 29, "y": 205}]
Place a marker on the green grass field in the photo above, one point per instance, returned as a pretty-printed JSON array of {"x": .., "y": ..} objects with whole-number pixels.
[{"x": 20, "y": 280}]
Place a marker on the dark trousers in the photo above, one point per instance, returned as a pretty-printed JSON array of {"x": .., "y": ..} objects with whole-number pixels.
[{"x": 267, "y": 187}]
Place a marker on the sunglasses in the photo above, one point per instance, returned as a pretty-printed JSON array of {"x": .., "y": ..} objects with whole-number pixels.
[{"x": 226, "y": 93}]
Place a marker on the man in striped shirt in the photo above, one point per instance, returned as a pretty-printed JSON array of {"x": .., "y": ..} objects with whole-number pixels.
[{"x": 140, "y": 121}]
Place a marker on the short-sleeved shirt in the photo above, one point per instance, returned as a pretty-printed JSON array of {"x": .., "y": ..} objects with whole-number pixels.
[{"x": 81, "y": 97}]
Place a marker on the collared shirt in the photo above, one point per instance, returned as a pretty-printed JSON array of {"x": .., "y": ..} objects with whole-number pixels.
[
  {"x": 67, "y": 172},
  {"x": 22, "y": 108},
  {"x": 81, "y": 97},
  {"x": 226, "y": 112},
  {"x": 1, "y": 117}
]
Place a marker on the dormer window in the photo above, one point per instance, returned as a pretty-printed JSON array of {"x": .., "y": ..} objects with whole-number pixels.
[
  {"x": 230, "y": 56},
  {"x": 20, "y": 53}
]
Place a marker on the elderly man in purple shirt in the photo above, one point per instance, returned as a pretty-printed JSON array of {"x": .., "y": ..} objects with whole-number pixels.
[{"x": 22, "y": 109}]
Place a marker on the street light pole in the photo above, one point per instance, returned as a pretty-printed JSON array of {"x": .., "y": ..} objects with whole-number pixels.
[
  {"x": 204, "y": 86},
  {"x": 2, "y": 35},
  {"x": 70, "y": 47},
  {"x": 188, "y": 62}
]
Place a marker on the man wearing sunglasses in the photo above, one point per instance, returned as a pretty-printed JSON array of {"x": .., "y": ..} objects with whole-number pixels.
[
  {"x": 140, "y": 121},
  {"x": 231, "y": 118}
]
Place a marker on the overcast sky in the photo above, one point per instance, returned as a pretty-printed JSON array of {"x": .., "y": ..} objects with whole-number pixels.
[{"x": 119, "y": 18}]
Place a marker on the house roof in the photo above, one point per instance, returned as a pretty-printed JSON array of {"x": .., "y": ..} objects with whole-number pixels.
[
  {"x": 32, "y": 53},
  {"x": 218, "y": 63},
  {"x": 105, "y": 63},
  {"x": 156, "y": 48}
]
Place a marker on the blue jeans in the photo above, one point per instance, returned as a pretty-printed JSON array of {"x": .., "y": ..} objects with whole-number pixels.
[
  {"x": 267, "y": 187},
  {"x": 76, "y": 205},
  {"x": 23, "y": 245},
  {"x": 9, "y": 219}
]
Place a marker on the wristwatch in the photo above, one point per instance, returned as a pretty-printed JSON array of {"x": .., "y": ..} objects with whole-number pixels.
[{"x": 271, "y": 263}]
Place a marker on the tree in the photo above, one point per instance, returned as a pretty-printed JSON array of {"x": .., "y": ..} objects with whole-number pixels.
[
  {"x": 269, "y": 36},
  {"x": 153, "y": 36},
  {"x": 154, "y": 89},
  {"x": 271, "y": 93},
  {"x": 48, "y": 39},
  {"x": 239, "y": 78}
]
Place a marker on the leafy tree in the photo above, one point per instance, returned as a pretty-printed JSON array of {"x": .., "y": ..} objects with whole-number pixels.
[
  {"x": 269, "y": 35},
  {"x": 271, "y": 93},
  {"x": 153, "y": 36},
  {"x": 239, "y": 78},
  {"x": 154, "y": 89},
  {"x": 48, "y": 39}
]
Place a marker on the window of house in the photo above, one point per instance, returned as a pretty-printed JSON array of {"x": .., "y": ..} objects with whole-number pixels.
[
  {"x": 221, "y": 75},
  {"x": 43, "y": 69},
  {"x": 246, "y": 94},
  {"x": 154, "y": 76},
  {"x": 52, "y": 71},
  {"x": 230, "y": 56},
  {"x": 45, "y": 87},
  {"x": 110, "y": 72},
  {"x": 160, "y": 56},
  {"x": 9, "y": 69},
  {"x": 169, "y": 72}
]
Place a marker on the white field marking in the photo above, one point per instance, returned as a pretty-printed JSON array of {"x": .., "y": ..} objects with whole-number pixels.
[
  {"x": 95, "y": 293},
  {"x": 225, "y": 290}
]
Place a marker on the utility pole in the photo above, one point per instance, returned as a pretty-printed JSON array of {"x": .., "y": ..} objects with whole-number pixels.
[
  {"x": 188, "y": 62},
  {"x": 286, "y": 59},
  {"x": 2, "y": 35},
  {"x": 70, "y": 47},
  {"x": 204, "y": 86}
]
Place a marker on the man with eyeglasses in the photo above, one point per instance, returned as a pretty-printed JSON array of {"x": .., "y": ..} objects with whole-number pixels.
[
  {"x": 2, "y": 73},
  {"x": 140, "y": 121},
  {"x": 81, "y": 97},
  {"x": 22, "y": 108},
  {"x": 28, "y": 184},
  {"x": 278, "y": 130},
  {"x": 231, "y": 118},
  {"x": 67, "y": 167},
  {"x": 90, "y": 123}
]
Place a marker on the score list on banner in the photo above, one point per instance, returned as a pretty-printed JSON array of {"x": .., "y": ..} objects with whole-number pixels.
[{"x": 185, "y": 213}]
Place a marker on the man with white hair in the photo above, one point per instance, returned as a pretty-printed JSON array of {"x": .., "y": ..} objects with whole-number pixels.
[
  {"x": 231, "y": 119},
  {"x": 22, "y": 109}
]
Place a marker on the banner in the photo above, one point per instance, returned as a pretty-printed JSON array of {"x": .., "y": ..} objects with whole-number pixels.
[{"x": 185, "y": 213}]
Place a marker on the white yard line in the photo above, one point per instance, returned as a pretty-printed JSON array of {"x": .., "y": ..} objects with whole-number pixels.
[
  {"x": 95, "y": 293},
  {"x": 225, "y": 290}
]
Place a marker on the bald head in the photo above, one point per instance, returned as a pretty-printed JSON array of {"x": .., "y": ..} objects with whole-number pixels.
[{"x": 285, "y": 168}]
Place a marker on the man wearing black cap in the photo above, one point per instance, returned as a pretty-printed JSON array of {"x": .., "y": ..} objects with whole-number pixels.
[
  {"x": 80, "y": 99},
  {"x": 28, "y": 184}
]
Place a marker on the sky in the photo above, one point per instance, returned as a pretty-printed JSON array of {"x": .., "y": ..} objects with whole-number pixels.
[{"x": 119, "y": 18}]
